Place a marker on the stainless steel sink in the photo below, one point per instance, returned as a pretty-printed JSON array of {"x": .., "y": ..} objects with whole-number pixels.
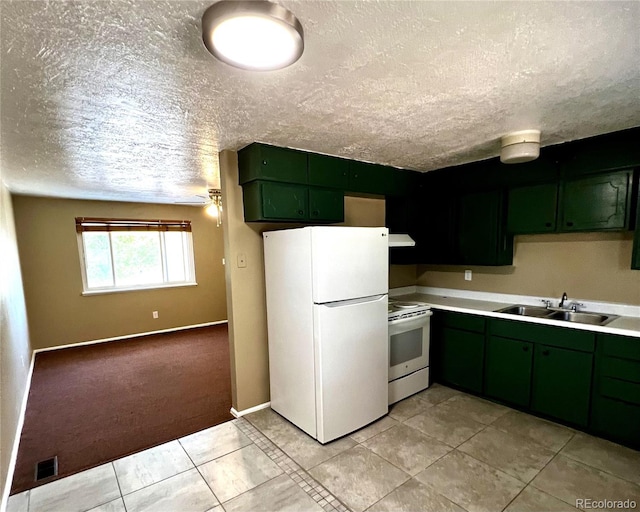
[
  {"x": 522, "y": 310},
  {"x": 582, "y": 317}
]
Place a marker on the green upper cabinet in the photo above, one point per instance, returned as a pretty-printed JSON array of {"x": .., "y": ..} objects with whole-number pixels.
[
  {"x": 597, "y": 202},
  {"x": 266, "y": 200},
  {"x": 562, "y": 383},
  {"x": 263, "y": 162},
  {"x": 532, "y": 209},
  {"x": 366, "y": 178},
  {"x": 635, "y": 257},
  {"x": 326, "y": 205},
  {"x": 328, "y": 171},
  {"x": 608, "y": 152},
  {"x": 270, "y": 201},
  {"x": 481, "y": 235}
]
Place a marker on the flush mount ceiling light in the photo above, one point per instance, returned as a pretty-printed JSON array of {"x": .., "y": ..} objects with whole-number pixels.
[
  {"x": 252, "y": 34},
  {"x": 522, "y": 146}
]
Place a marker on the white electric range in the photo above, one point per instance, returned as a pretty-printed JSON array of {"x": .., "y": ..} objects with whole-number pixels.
[{"x": 409, "y": 325}]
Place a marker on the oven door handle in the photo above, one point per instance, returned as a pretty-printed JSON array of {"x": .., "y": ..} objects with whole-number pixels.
[{"x": 407, "y": 322}]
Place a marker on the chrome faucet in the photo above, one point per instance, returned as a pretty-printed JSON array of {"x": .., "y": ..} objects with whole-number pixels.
[{"x": 563, "y": 300}]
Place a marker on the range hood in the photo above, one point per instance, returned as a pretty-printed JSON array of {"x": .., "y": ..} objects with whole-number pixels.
[{"x": 398, "y": 240}]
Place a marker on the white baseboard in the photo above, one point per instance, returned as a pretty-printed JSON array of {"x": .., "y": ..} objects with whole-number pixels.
[
  {"x": 239, "y": 414},
  {"x": 16, "y": 442},
  {"x": 128, "y": 336}
]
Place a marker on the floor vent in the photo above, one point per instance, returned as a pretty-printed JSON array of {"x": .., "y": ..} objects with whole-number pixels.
[{"x": 47, "y": 468}]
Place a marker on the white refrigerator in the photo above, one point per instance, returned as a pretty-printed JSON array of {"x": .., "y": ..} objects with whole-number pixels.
[{"x": 326, "y": 290}]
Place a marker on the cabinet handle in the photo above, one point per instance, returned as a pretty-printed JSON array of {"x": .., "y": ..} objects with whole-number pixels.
[
  {"x": 264, "y": 162},
  {"x": 300, "y": 212},
  {"x": 344, "y": 173},
  {"x": 569, "y": 223},
  {"x": 315, "y": 212},
  {"x": 525, "y": 349},
  {"x": 547, "y": 224},
  {"x": 545, "y": 352}
]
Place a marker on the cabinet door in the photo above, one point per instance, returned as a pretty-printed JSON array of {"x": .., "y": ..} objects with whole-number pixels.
[
  {"x": 481, "y": 236},
  {"x": 597, "y": 202},
  {"x": 459, "y": 359},
  {"x": 328, "y": 171},
  {"x": 263, "y": 162},
  {"x": 635, "y": 257},
  {"x": 532, "y": 209},
  {"x": 616, "y": 420},
  {"x": 326, "y": 205},
  {"x": 562, "y": 383},
  {"x": 265, "y": 200},
  {"x": 369, "y": 178},
  {"x": 508, "y": 370}
]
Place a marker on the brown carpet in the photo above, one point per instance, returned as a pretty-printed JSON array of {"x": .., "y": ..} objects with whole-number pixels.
[{"x": 93, "y": 404}]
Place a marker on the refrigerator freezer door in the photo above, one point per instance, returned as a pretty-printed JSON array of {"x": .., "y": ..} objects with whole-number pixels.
[
  {"x": 351, "y": 365},
  {"x": 349, "y": 263}
]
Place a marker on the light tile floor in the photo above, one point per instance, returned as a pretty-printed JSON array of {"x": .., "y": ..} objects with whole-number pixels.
[{"x": 440, "y": 450}]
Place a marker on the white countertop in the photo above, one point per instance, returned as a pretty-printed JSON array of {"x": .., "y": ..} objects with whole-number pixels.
[{"x": 486, "y": 304}]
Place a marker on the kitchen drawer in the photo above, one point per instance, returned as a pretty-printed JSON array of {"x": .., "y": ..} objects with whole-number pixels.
[
  {"x": 462, "y": 321},
  {"x": 553, "y": 336},
  {"x": 620, "y": 346},
  {"x": 620, "y": 390},
  {"x": 620, "y": 369},
  {"x": 616, "y": 420}
]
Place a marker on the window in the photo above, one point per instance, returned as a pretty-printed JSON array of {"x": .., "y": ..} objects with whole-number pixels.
[{"x": 123, "y": 254}]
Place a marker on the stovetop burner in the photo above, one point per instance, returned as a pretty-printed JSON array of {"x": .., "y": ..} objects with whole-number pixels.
[{"x": 400, "y": 309}]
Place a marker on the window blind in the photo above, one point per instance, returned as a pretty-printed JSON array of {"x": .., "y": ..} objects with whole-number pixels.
[{"x": 84, "y": 224}]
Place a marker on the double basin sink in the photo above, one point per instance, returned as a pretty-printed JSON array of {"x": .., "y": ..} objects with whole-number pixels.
[{"x": 582, "y": 317}]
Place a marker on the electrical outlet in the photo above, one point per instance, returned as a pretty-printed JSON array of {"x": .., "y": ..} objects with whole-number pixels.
[
  {"x": 155, "y": 314},
  {"x": 468, "y": 275},
  {"x": 242, "y": 260}
]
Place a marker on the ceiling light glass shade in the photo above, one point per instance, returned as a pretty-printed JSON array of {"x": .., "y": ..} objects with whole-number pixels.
[
  {"x": 252, "y": 34},
  {"x": 519, "y": 147}
]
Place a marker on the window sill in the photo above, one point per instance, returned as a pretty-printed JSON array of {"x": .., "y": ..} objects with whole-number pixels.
[{"x": 136, "y": 289}]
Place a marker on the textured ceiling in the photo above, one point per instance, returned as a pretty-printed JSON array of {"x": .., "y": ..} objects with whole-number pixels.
[{"x": 120, "y": 100}]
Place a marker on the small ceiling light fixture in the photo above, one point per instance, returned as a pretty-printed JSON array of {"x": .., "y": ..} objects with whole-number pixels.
[
  {"x": 252, "y": 34},
  {"x": 518, "y": 147},
  {"x": 215, "y": 207}
]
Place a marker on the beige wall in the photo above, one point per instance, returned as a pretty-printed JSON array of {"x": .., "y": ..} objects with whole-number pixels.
[
  {"x": 15, "y": 350},
  {"x": 58, "y": 312},
  {"x": 589, "y": 266},
  {"x": 246, "y": 289},
  {"x": 402, "y": 275}
]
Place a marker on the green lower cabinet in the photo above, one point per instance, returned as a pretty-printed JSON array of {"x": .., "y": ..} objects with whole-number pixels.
[
  {"x": 616, "y": 420},
  {"x": 562, "y": 384},
  {"x": 615, "y": 410},
  {"x": 460, "y": 357},
  {"x": 508, "y": 367}
]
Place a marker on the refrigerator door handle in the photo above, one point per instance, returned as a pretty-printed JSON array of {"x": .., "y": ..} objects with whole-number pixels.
[{"x": 351, "y": 302}]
